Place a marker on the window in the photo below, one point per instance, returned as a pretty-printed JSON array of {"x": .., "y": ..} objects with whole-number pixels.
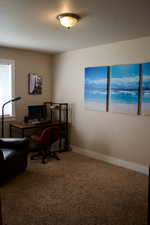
[{"x": 7, "y": 88}]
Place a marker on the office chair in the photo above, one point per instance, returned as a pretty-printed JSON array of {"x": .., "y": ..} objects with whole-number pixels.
[{"x": 44, "y": 140}]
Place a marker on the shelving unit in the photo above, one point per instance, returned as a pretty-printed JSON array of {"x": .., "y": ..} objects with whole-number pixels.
[{"x": 58, "y": 112}]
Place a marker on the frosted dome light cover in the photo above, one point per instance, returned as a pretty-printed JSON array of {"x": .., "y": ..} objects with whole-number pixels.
[{"x": 68, "y": 19}]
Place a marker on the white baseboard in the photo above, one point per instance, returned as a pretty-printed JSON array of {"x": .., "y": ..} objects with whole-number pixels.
[{"x": 109, "y": 159}]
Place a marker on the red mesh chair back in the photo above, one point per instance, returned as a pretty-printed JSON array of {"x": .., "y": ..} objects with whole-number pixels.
[{"x": 48, "y": 136}]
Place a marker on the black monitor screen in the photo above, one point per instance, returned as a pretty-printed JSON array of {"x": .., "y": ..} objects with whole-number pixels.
[{"x": 37, "y": 112}]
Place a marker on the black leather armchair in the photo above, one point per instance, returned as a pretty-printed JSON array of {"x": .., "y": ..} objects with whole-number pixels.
[{"x": 13, "y": 156}]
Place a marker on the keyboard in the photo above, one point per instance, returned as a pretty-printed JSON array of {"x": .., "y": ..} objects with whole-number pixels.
[{"x": 40, "y": 122}]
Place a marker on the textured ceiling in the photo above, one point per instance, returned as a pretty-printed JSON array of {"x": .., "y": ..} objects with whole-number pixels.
[{"x": 32, "y": 24}]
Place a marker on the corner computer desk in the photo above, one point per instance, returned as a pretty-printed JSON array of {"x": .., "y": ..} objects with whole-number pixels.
[
  {"x": 43, "y": 124},
  {"x": 26, "y": 126}
]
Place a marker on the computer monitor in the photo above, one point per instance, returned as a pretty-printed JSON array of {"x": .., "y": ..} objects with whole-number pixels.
[{"x": 37, "y": 112}]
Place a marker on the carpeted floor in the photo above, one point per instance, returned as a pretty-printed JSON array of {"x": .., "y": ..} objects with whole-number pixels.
[{"x": 76, "y": 190}]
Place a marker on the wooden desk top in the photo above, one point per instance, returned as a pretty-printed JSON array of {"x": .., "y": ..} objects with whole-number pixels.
[{"x": 34, "y": 125}]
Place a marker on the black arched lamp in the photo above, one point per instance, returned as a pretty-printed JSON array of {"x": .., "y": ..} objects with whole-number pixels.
[{"x": 12, "y": 100}]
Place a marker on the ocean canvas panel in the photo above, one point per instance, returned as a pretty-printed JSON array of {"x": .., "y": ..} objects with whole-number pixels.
[
  {"x": 145, "y": 108},
  {"x": 95, "y": 93},
  {"x": 125, "y": 88}
]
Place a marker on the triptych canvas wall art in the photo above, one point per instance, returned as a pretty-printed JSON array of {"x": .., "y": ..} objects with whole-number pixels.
[{"x": 118, "y": 88}]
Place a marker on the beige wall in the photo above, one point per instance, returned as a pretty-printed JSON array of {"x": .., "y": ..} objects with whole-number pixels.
[
  {"x": 123, "y": 136},
  {"x": 25, "y": 62}
]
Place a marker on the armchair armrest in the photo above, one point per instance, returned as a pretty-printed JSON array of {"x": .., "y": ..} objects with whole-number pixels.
[
  {"x": 13, "y": 142},
  {"x": 1, "y": 157},
  {"x": 1, "y": 167}
]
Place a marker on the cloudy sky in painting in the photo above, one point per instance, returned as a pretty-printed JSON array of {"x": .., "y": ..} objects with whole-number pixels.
[
  {"x": 125, "y": 76},
  {"x": 96, "y": 77}
]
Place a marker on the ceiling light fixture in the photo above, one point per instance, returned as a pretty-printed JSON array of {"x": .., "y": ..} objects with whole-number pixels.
[{"x": 68, "y": 19}]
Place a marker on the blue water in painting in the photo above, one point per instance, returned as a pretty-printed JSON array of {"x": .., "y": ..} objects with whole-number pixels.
[
  {"x": 95, "y": 95},
  {"x": 128, "y": 97},
  {"x": 146, "y": 97},
  {"x": 125, "y": 84},
  {"x": 96, "y": 84}
]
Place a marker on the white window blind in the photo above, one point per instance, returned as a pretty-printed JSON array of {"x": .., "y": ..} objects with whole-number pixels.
[{"x": 6, "y": 86}]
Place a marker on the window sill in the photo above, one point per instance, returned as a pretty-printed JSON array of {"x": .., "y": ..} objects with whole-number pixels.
[{"x": 9, "y": 118}]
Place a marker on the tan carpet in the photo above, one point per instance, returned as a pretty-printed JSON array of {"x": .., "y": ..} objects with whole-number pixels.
[{"x": 76, "y": 190}]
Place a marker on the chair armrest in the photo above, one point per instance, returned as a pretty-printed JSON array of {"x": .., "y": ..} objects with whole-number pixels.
[
  {"x": 2, "y": 171},
  {"x": 13, "y": 142},
  {"x": 1, "y": 157}
]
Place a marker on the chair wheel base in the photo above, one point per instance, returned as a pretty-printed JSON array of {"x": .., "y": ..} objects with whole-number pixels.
[
  {"x": 56, "y": 157},
  {"x": 44, "y": 157},
  {"x": 43, "y": 161}
]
